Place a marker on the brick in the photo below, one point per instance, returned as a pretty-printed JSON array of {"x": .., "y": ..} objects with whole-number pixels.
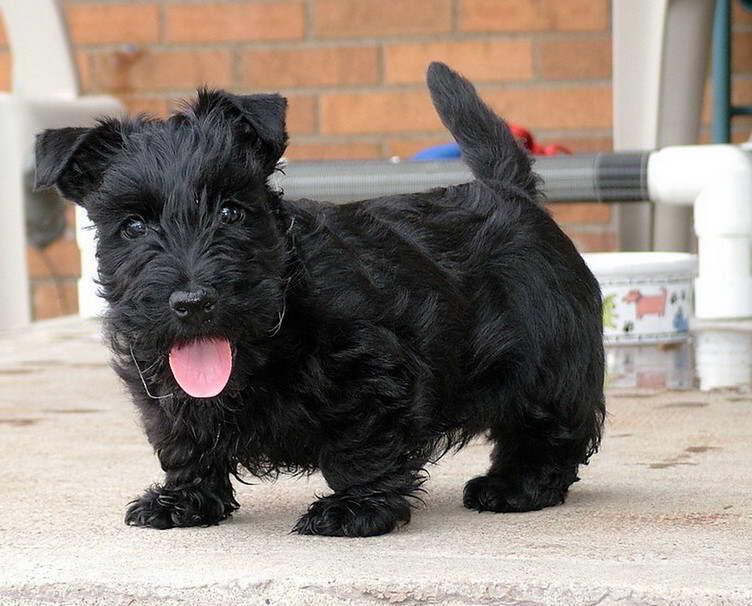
[
  {"x": 235, "y": 21},
  {"x": 503, "y": 15},
  {"x": 532, "y": 15},
  {"x": 113, "y": 23},
  {"x": 741, "y": 94},
  {"x": 63, "y": 256},
  {"x": 163, "y": 70},
  {"x": 479, "y": 60},
  {"x": 580, "y": 213},
  {"x": 555, "y": 107},
  {"x": 50, "y": 300},
  {"x": 355, "y": 150},
  {"x": 368, "y": 18},
  {"x": 84, "y": 71},
  {"x": 707, "y": 102},
  {"x": 310, "y": 67},
  {"x": 740, "y": 15},
  {"x": 70, "y": 220},
  {"x": 301, "y": 115},
  {"x": 137, "y": 104},
  {"x": 579, "y": 144},
  {"x": 741, "y": 52},
  {"x": 5, "y": 71},
  {"x": 377, "y": 112},
  {"x": 605, "y": 241},
  {"x": 571, "y": 59},
  {"x": 739, "y": 133},
  {"x": 579, "y": 15},
  {"x": 411, "y": 111},
  {"x": 405, "y": 148}
]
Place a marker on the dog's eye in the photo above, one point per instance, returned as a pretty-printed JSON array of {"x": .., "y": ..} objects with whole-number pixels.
[
  {"x": 231, "y": 214},
  {"x": 133, "y": 228}
]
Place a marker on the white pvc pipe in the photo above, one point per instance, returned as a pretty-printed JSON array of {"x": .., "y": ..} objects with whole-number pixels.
[
  {"x": 677, "y": 174},
  {"x": 717, "y": 180}
]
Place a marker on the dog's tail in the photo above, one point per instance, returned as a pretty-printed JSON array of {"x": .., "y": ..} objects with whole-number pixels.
[{"x": 488, "y": 146}]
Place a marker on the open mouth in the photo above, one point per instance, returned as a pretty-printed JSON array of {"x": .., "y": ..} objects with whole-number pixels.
[{"x": 202, "y": 368}]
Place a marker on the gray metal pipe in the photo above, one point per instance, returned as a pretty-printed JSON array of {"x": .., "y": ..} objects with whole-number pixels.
[{"x": 603, "y": 177}]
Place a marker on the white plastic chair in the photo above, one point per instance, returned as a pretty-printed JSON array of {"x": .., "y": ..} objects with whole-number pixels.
[
  {"x": 45, "y": 94},
  {"x": 661, "y": 50}
]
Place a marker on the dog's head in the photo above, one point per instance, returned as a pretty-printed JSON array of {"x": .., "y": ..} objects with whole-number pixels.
[{"x": 189, "y": 235}]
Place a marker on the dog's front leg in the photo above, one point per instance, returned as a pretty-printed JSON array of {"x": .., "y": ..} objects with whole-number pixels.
[
  {"x": 371, "y": 495},
  {"x": 196, "y": 492}
]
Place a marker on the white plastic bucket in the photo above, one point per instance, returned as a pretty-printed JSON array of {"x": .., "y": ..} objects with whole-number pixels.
[{"x": 647, "y": 296}]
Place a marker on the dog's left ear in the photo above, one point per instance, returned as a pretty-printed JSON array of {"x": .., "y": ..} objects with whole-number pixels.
[
  {"x": 260, "y": 121},
  {"x": 74, "y": 159}
]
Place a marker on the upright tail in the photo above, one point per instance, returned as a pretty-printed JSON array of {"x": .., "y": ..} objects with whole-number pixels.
[{"x": 488, "y": 146}]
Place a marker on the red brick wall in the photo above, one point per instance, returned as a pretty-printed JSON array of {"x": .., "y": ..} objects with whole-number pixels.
[{"x": 353, "y": 72}]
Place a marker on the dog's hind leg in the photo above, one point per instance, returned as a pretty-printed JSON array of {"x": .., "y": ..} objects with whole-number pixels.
[{"x": 534, "y": 461}]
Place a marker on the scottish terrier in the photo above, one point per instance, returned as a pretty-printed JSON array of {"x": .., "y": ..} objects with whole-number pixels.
[{"x": 259, "y": 335}]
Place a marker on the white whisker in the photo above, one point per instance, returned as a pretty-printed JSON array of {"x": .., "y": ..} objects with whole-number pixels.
[
  {"x": 278, "y": 326},
  {"x": 143, "y": 381},
  {"x": 281, "y": 313}
]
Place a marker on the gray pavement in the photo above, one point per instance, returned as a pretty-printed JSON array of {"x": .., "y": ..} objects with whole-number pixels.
[{"x": 663, "y": 514}]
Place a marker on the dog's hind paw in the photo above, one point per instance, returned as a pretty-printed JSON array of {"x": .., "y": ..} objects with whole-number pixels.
[
  {"x": 346, "y": 516},
  {"x": 161, "y": 508},
  {"x": 495, "y": 493}
]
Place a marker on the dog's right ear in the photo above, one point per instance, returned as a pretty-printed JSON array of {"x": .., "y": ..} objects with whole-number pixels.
[
  {"x": 259, "y": 121},
  {"x": 74, "y": 159}
]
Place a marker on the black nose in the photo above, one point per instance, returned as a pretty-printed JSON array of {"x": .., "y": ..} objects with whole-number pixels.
[{"x": 193, "y": 304}]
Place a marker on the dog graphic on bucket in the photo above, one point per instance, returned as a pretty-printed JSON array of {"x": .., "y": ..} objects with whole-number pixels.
[{"x": 654, "y": 304}]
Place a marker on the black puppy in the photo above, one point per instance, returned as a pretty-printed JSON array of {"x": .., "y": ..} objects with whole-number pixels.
[{"x": 363, "y": 340}]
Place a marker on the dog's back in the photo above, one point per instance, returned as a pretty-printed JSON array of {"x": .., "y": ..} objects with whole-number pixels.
[{"x": 478, "y": 278}]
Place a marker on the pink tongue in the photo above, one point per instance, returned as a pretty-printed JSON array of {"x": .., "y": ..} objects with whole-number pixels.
[{"x": 202, "y": 368}]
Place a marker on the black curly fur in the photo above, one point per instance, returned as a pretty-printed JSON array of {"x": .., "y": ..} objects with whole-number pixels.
[
  {"x": 191, "y": 504},
  {"x": 368, "y": 338}
]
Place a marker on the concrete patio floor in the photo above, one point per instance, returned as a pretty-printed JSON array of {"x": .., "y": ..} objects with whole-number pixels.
[{"x": 663, "y": 514}]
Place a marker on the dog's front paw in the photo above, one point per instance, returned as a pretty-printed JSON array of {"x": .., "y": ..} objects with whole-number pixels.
[
  {"x": 346, "y": 516},
  {"x": 162, "y": 507}
]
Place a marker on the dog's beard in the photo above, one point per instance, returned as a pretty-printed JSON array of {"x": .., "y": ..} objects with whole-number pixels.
[{"x": 202, "y": 362}]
